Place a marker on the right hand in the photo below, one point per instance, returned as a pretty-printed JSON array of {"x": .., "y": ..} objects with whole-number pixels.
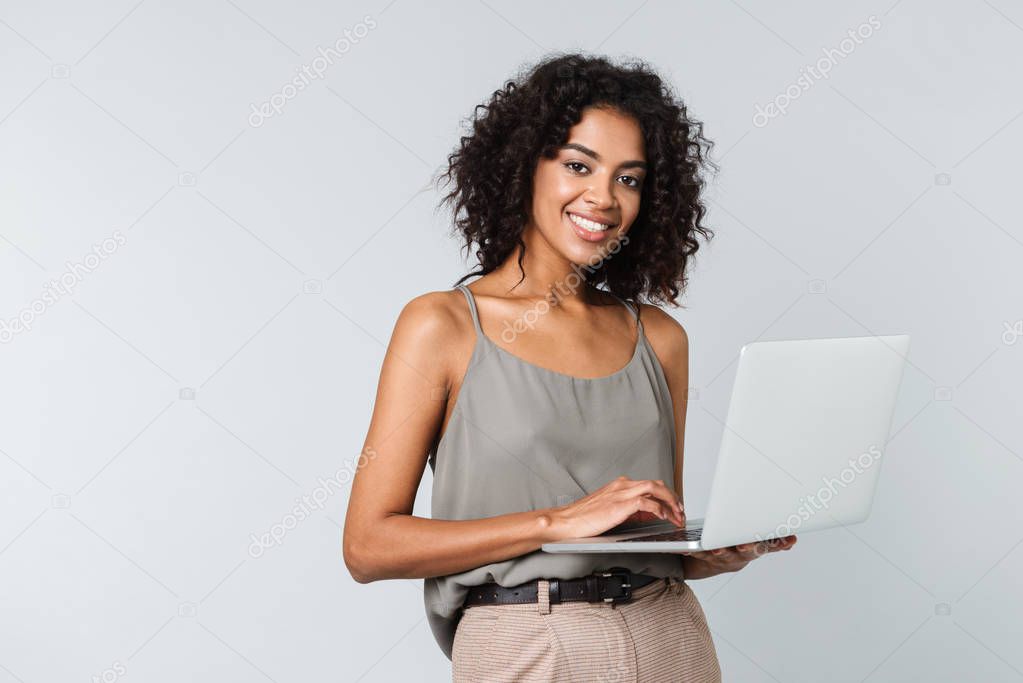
[{"x": 620, "y": 500}]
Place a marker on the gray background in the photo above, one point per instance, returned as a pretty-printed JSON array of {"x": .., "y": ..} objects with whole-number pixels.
[{"x": 263, "y": 268}]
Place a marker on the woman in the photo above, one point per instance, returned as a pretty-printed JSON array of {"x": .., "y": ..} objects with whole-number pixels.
[{"x": 549, "y": 407}]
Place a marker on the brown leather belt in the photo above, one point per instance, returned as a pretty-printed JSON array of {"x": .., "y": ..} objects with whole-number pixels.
[{"x": 614, "y": 586}]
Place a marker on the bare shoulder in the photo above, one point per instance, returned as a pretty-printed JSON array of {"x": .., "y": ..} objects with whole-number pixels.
[
  {"x": 667, "y": 336},
  {"x": 433, "y": 316},
  {"x": 434, "y": 329}
]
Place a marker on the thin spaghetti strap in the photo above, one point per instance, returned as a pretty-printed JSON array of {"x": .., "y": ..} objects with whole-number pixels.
[
  {"x": 472, "y": 310},
  {"x": 639, "y": 323}
]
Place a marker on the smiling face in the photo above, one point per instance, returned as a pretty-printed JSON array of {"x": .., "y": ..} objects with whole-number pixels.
[{"x": 589, "y": 193}]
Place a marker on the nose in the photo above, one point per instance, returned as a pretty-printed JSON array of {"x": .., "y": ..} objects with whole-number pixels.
[{"x": 598, "y": 196}]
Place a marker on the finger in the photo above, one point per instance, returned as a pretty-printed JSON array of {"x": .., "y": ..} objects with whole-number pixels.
[
  {"x": 666, "y": 511},
  {"x": 734, "y": 552},
  {"x": 781, "y": 543},
  {"x": 674, "y": 501},
  {"x": 670, "y": 512},
  {"x": 774, "y": 546},
  {"x": 649, "y": 505},
  {"x": 678, "y": 516},
  {"x": 657, "y": 489},
  {"x": 642, "y": 516},
  {"x": 756, "y": 549}
]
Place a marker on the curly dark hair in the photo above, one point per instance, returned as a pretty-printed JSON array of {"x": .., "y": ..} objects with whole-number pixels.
[{"x": 530, "y": 116}]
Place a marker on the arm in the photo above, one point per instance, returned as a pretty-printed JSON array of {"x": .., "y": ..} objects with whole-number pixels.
[
  {"x": 429, "y": 349},
  {"x": 694, "y": 568},
  {"x": 721, "y": 560},
  {"x": 382, "y": 538},
  {"x": 673, "y": 343}
]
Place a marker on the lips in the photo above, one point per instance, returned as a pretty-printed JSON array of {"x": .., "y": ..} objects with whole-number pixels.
[
  {"x": 588, "y": 235},
  {"x": 594, "y": 218}
]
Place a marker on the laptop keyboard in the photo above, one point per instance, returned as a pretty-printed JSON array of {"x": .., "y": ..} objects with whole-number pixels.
[{"x": 680, "y": 535}]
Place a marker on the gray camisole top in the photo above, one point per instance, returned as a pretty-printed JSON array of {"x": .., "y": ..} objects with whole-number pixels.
[{"x": 522, "y": 437}]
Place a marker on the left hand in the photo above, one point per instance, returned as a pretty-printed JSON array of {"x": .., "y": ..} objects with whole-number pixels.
[{"x": 734, "y": 558}]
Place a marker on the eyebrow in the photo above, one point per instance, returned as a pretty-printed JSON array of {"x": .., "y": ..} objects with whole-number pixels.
[{"x": 634, "y": 163}]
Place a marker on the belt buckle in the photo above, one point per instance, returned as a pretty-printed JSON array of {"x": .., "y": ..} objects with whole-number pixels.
[{"x": 626, "y": 587}]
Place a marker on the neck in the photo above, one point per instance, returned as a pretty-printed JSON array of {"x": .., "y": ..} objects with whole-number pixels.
[{"x": 548, "y": 276}]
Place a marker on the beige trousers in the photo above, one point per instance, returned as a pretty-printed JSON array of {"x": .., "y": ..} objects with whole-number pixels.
[{"x": 661, "y": 636}]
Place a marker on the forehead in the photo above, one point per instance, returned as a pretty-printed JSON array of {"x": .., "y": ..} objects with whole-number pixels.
[{"x": 610, "y": 133}]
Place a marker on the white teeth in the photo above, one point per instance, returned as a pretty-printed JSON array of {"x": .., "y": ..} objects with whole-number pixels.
[{"x": 586, "y": 224}]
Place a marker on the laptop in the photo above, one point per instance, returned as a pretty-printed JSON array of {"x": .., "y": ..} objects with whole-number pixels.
[{"x": 801, "y": 448}]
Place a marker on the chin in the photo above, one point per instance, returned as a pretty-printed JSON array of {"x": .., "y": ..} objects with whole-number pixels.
[
  {"x": 574, "y": 249},
  {"x": 580, "y": 255}
]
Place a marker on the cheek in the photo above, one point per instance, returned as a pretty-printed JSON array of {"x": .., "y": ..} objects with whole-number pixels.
[
  {"x": 630, "y": 208},
  {"x": 552, "y": 191},
  {"x": 551, "y": 201},
  {"x": 562, "y": 191}
]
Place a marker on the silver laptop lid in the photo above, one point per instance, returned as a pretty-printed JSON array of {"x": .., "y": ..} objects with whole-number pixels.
[{"x": 806, "y": 426}]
